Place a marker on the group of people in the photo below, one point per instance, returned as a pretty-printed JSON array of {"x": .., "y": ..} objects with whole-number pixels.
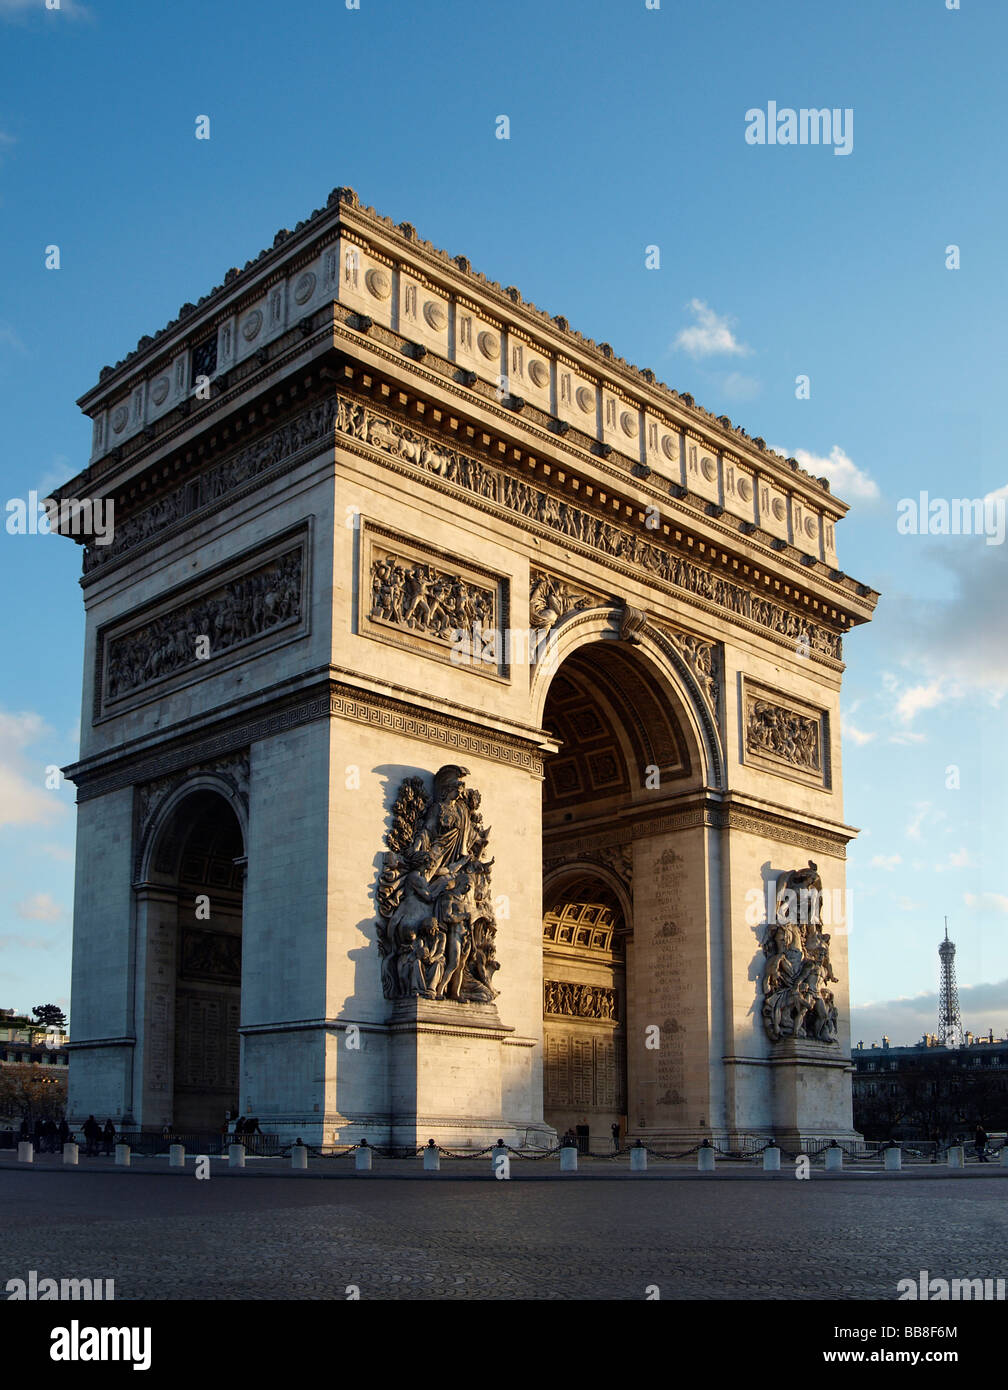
[
  {"x": 96, "y": 1137},
  {"x": 46, "y": 1135},
  {"x": 244, "y": 1125},
  {"x": 49, "y": 1137}
]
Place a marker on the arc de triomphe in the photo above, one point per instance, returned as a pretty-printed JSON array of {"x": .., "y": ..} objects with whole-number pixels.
[{"x": 460, "y": 747}]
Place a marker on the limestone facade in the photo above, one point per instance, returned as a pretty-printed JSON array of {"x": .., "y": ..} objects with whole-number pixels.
[{"x": 375, "y": 515}]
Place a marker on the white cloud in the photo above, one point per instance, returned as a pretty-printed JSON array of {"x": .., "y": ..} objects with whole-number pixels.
[
  {"x": 964, "y": 631},
  {"x": 24, "y": 798},
  {"x": 858, "y": 736},
  {"x": 986, "y": 902},
  {"x": 920, "y": 697},
  {"x": 736, "y": 386},
  {"x": 41, "y": 907},
  {"x": 61, "y": 852},
  {"x": 59, "y": 470},
  {"x": 913, "y": 829},
  {"x": 886, "y": 861},
  {"x": 845, "y": 478},
  {"x": 710, "y": 335},
  {"x": 908, "y": 905},
  {"x": 10, "y": 338},
  {"x": 906, "y": 1020},
  {"x": 961, "y": 859}
]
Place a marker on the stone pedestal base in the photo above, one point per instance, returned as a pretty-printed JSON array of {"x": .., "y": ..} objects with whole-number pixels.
[
  {"x": 811, "y": 1093},
  {"x": 446, "y": 1071}
]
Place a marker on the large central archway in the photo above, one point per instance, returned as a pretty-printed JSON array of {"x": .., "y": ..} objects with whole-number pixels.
[{"x": 629, "y": 750}]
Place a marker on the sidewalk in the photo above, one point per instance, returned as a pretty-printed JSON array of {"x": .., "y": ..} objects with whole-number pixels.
[{"x": 480, "y": 1169}]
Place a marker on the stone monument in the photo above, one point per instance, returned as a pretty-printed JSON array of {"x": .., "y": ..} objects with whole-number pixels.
[{"x": 453, "y": 687}]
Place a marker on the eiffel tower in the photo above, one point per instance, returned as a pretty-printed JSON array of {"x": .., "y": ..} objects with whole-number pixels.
[{"x": 949, "y": 1021}]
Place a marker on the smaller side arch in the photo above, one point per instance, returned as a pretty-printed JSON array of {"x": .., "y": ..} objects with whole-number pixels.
[
  {"x": 160, "y": 827},
  {"x": 577, "y": 870}
]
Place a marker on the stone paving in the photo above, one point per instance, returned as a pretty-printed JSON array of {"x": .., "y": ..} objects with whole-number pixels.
[{"x": 265, "y": 1232}]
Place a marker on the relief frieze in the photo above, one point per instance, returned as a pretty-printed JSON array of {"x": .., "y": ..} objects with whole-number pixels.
[
  {"x": 414, "y": 596},
  {"x": 782, "y": 734},
  {"x": 191, "y": 634},
  {"x": 420, "y": 597},
  {"x": 579, "y": 1001},
  {"x": 356, "y": 421}
]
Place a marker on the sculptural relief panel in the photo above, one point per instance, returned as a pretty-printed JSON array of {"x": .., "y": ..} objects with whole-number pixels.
[
  {"x": 790, "y": 739},
  {"x": 414, "y": 596},
  {"x": 244, "y": 604},
  {"x": 645, "y": 552}
]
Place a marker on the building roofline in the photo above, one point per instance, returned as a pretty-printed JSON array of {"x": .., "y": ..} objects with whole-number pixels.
[{"x": 343, "y": 209}]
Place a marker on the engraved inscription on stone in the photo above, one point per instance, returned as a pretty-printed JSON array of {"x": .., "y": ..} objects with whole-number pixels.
[
  {"x": 583, "y": 1072},
  {"x": 206, "y": 1040},
  {"x": 671, "y": 985}
]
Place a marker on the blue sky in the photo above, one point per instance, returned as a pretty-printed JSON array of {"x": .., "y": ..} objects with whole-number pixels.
[{"x": 626, "y": 131}]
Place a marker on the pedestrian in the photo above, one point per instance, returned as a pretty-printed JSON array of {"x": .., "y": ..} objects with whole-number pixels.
[
  {"x": 92, "y": 1133},
  {"x": 980, "y": 1138},
  {"x": 49, "y": 1136},
  {"x": 615, "y": 1137},
  {"x": 24, "y": 1133},
  {"x": 109, "y": 1136},
  {"x": 63, "y": 1133}
]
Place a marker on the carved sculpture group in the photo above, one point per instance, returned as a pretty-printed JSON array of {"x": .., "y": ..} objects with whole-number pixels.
[
  {"x": 243, "y": 608},
  {"x": 797, "y": 1001},
  {"x": 414, "y": 595},
  {"x": 436, "y": 928},
  {"x": 579, "y": 1001},
  {"x": 784, "y": 734},
  {"x": 358, "y": 422}
]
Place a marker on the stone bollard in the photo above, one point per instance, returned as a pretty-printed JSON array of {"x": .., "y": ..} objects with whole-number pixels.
[
  {"x": 70, "y": 1152},
  {"x": 362, "y": 1157},
  {"x": 893, "y": 1159},
  {"x": 705, "y": 1157},
  {"x": 834, "y": 1158},
  {"x": 431, "y": 1158},
  {"x": 1004, "y": 1156},
  {"x": 299, "y": 1155},
  {"x": 771, "y": 1159},
  {"x": 122, "y": 1155},
  {"x": 956, "y": 1156},
  {"x": 176, "y": 1156},
  {"x": 638, "y": 1158},
  {"x": 568, "y": 1159},
  {"x": 26, "y": 1151},
  {"x": 236, "y": 1155}
]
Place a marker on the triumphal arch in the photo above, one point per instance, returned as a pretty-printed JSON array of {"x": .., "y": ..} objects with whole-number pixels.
[{"x": 460, "y": 749}]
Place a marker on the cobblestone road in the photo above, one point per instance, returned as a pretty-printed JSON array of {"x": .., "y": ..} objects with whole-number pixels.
[{"x": 262, "y": 1234}]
